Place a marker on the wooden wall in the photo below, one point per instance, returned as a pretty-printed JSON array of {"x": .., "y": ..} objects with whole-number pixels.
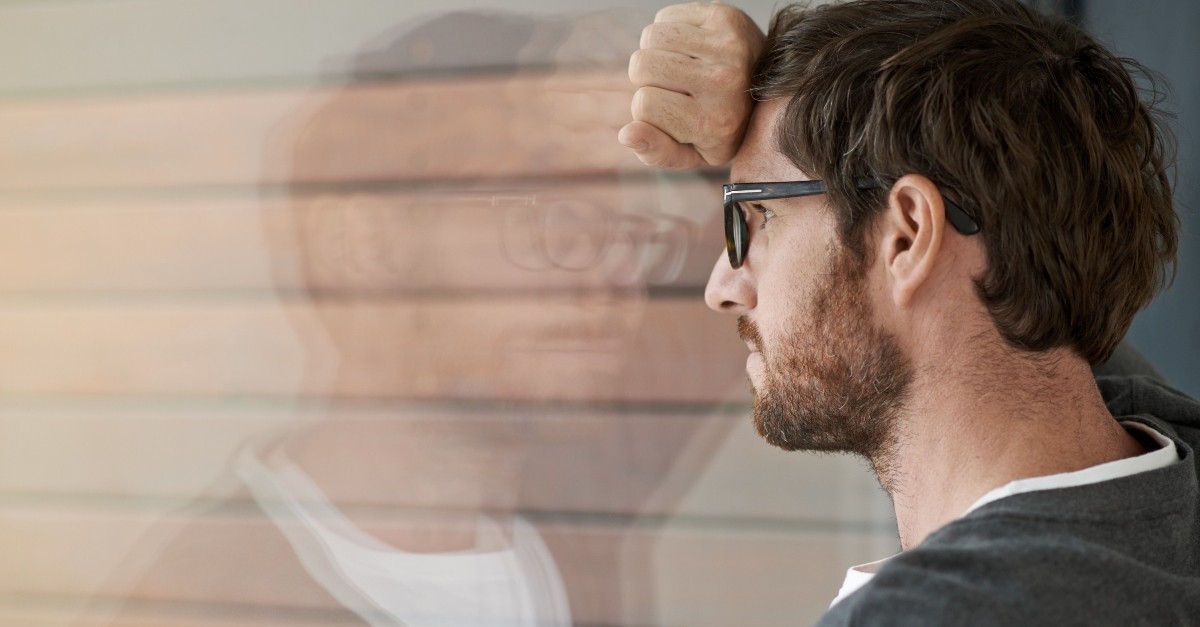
[{"x": 403, "y": 249}]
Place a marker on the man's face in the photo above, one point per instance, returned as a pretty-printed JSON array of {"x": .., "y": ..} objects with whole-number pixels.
[{"x": 825, "y": 375}]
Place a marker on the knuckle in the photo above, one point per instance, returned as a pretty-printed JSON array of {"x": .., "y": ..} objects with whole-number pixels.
[
  {"x": 660, "y": 36},
  {"x": 725, "y": 15},
  {"x": 666, "y": 13},
  {"x": 732, "y": 48},
  {"x": 660, "y": 32},
  {"x": 640, "y": 107},
  {"x": 637, "y": 62},
  {"x": 648, "y": 37},
  {"x": 719, "y": 12}
]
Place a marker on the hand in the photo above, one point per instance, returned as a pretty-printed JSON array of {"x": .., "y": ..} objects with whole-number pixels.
[{"x": 693, "y": 77}]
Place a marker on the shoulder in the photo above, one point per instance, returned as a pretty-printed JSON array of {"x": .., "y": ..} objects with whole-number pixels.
[
  {"x": 1005, "y": 570},
  {"x": 970, "y": 581},
  {"x": 1144, "y": 395},
  {"x": 1156, "y": 404}
]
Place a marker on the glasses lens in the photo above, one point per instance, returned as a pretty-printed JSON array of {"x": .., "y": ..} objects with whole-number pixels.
[
  {"x": 735, "y": 234},
  {"x": 576, "y": 233},
  {"x": 521, "y": 238}
]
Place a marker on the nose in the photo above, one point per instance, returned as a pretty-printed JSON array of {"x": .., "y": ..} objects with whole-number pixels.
[{"x": 730, "y": 291}]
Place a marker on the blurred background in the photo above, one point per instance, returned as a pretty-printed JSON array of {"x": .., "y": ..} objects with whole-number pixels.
[{"x": 355, "y": 313}]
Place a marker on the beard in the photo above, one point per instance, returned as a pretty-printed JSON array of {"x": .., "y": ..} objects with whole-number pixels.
[{"x": 836, "y": 382}]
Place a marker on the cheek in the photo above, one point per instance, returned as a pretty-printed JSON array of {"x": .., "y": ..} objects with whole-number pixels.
[
  {"x": 785, "y": 297},
  {"x": 782, "y": 309},
  {"x": 797, "y": 244},
  {"x": 793, "y": 262}
]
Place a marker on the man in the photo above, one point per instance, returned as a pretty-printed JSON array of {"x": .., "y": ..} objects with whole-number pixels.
[{"x": 943, "y": 213}]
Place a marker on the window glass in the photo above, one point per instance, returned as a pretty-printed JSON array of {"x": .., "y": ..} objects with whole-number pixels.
[{"x": 355, "y": 313}]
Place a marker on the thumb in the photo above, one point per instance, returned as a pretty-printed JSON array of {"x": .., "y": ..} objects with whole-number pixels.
[{"x": 658, "y": 149}]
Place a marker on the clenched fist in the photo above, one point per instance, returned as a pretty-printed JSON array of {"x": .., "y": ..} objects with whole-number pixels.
[{"x": 693, "y": 76}]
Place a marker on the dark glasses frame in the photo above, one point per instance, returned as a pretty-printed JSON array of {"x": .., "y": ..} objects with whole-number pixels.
[{"x": 737, "y": 234}]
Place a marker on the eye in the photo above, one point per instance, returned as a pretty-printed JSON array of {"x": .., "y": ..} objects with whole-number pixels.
[{"x": 766, "y": 214}]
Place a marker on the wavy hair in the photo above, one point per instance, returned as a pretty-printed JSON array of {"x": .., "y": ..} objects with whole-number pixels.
[{"x": 1034, "y": 128}]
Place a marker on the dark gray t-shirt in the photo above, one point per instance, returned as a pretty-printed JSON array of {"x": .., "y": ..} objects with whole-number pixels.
[{"x": 1119, "y": 552}]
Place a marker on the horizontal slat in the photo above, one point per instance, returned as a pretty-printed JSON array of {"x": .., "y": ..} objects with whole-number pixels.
[
  {"x": 463, "y": 128},
  {"x": 551, "y": 236},
  {"x": 81, "y": 613},
  {"x": 634, "y": 576},
  {"x": 101, "y": 44},
  {"x": 710, "y": 467},
  {"x": 595, "y": 347}
]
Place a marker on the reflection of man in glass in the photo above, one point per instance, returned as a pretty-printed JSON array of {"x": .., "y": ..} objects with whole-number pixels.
[{"x": 478, "y": 454}]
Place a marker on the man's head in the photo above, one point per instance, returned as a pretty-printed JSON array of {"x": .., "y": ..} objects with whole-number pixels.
[
  {"x": 1031, "y": 126},
  {"x": 1033, "y": 129},
  {"x": 826, "y": 376}
]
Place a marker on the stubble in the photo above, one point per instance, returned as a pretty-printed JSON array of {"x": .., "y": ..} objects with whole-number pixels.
[{"x": 837, "y": 381}]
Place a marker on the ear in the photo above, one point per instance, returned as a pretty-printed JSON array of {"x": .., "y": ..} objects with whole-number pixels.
[{"x": 910, "y": 238}]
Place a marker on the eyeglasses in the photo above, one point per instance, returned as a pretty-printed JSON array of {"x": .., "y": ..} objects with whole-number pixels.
[
  {"x": 737, "y": 235},
  {"x": 580, "y": 232}
]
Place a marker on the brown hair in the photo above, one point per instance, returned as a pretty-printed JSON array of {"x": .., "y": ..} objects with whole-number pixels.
[{"x": 1037, "y": 131}]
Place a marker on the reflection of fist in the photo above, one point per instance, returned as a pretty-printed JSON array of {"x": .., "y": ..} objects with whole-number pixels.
[{"x": 693, "y": 77}]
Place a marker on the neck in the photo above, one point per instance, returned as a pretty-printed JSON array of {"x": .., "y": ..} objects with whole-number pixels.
[{"x": 968, "y": 430}]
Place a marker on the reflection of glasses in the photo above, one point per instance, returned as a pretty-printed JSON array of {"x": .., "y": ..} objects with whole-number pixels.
[
  {"x": 737, "y": 235},
  {"x": 579, "y": 234}
]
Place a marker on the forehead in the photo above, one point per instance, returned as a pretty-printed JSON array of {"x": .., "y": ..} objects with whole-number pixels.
[{"x": 758, "y": 159}]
